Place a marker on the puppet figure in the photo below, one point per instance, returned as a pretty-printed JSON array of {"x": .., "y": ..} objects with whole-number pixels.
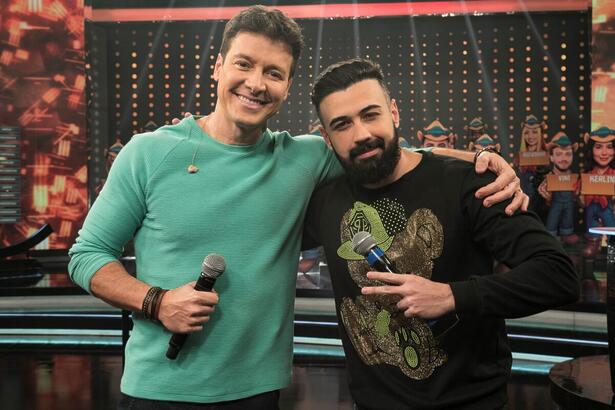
[
  {"x": 437, "y": 135},
  {"x": 531, "y": 153},
  {"x": 474, "y": 130},
  {"x": 484, "y": 141},
  {"x": 150, "y": 126},
  {"x": 560, "y": 188},
  {"x": 110, "y": 155},
  {"x": 598, "y": 184}
]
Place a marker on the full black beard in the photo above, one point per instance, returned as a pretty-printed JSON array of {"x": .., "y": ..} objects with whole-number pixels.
[{"x": 375, "y": 169}]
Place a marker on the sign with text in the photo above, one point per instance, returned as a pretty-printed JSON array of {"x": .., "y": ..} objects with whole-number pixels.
[
  {"x": 593, "y": 184},
  {"x": 566, "y": 182},
  {"x": 533, "y": 158}
]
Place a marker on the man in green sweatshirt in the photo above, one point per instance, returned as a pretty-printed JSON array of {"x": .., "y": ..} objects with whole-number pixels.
[{"x": 222, "y": 184}]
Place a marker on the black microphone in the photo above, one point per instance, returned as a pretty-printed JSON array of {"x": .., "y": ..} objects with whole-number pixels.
[
  {"x": 364, "y": 244},
  {"x": 212, "y": 267}
]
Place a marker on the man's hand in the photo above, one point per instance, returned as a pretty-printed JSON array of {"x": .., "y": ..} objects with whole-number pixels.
[
  {"x": 306, "y": 264},
  {"x": 542, "y": 191},
  {"x": 184, "y": 309},
  {"x": 505, "y": 186},
  {"x": 420, "y": 297},
  {"x": 176, "y": 120}
]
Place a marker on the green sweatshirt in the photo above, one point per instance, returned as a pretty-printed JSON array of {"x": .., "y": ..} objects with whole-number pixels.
[{"x": 246, "y": 203}]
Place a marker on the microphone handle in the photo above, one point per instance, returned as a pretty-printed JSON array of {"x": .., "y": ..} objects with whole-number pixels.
[
  {"x": 204, "y": 283},
  {"x": 378, "y": 260}
]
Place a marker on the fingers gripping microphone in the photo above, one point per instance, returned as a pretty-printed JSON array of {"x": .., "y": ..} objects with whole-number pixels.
[
  {"x": 364, "y": 244},
  {"x": 212, "y": 267}
]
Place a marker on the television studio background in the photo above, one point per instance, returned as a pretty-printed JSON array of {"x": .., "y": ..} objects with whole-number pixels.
[{"x": 78, "y": 79}]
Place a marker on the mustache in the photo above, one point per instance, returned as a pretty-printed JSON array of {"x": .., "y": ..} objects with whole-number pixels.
[{"x": 366, "y": 146}]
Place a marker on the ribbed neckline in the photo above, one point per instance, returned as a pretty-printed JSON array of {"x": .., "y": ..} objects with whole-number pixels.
[{"x": 199, "y": 133}]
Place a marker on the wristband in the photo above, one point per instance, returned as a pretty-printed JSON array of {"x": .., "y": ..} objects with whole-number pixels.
[
  {"x": 156, "y": 304},
  {"x": 146, "y": 307},
  {"x": 480, "y": 151}
]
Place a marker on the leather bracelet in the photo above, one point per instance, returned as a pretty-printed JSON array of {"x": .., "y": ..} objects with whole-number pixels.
[
  {"x": 147, "y": 301},
  {"x": 157, "y": 303},
  {"x": 480, "y": 151},
  {"x": 152, "y": 305}
]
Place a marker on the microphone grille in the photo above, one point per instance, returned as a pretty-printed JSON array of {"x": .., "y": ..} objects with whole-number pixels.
[
  {"x": 362, "y": 242},
  {"x": 213, "y": 265}
]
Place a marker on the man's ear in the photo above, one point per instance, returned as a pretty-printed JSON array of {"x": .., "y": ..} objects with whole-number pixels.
[
  {"x": 325, "y": 136},
  {"x": 395, "y": 112},
  {"x": 217, "y": 66}
]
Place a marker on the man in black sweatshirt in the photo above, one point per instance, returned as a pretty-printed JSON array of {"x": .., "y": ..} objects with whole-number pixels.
[{"x": 403, "y": 350}]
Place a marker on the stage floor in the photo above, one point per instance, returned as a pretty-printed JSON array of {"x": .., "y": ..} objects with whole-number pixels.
[{"x": 46, "y": 381}]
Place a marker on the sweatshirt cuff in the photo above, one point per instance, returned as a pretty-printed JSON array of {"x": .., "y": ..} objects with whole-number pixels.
[{"x": 467, "y": 298}]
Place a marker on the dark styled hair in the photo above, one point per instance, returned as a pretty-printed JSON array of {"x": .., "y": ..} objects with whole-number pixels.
[
  {"x": 341, "y": 75},
  {"x": 269, "y": 22},
  {"x": 589, "y": 154}
]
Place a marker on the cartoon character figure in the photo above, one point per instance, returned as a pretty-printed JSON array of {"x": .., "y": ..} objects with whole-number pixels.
[
  {"x": 110, "y": 155},
  {"x": 437, "y": 135},
  {"x": 531, "y": 153},
  {"x": 560, "y": 188},
  {"x": 380, "y": 333},
  {"x": 474, "y": 130},
  {"x": 600, "y": 153},
  {"x": 484, "y": 141},
  {"x": 315, "y": 127},
  {"x": 150, "y": 126}
]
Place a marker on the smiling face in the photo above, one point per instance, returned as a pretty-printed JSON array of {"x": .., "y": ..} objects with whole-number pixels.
[
  {"x": 360, "y": 125},
  {"x": 253, "y": 80},
  {"x": 603, "y": 153},
  {"x": 532, "y": 138}
]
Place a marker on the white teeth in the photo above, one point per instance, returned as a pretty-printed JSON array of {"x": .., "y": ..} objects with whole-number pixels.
[{"x": 242, "y": 98}]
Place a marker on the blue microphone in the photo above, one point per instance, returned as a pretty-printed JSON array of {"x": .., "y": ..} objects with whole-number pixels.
[{"x": 364, "y": 244}]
